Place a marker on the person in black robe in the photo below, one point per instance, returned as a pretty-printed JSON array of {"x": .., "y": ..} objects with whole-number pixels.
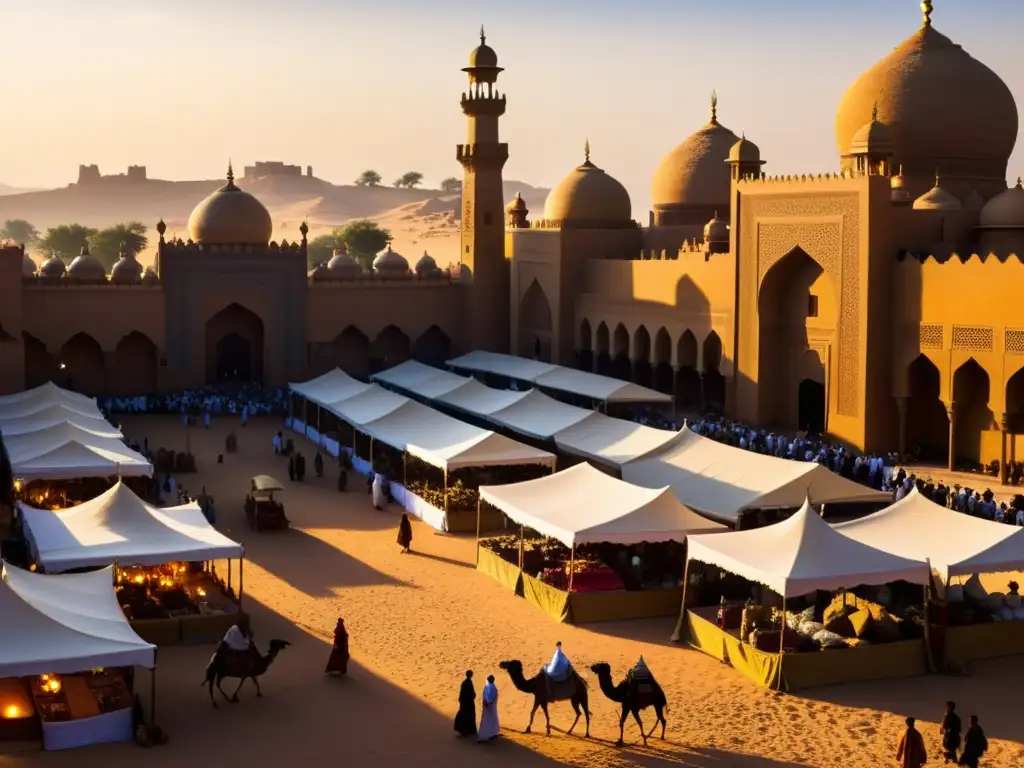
[
  {"x": 300, "y": 467},
  {"x": 405, "y": 534},
  {"x": 465, "y": 720},
  {"x": 291, "y": 468},
  {"x": 975, "y": 744},
  {"x": 318, "y": 464},
  {"x": 950, "y": 730},
  {"x": 342, "y": 480}
]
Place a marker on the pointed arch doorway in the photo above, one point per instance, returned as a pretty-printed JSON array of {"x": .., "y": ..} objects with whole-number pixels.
[{"x": 234, "y": 346}]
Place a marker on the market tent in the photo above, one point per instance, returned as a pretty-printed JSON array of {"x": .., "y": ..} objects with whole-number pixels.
[
  {"x": 801, "y": 554},
  {"x": 569, "y": 380},
  {"x": 722, "y": 481},
  {"x": 449, "y": 443},
  {"x": 419, "y": 379},
  {"x": 373, "y": 403},
  {"x": 535, "y": 414},
  {"x": 46, "y": 392},
  {"x": 65, "y": 624},
  {"x": 53, "y": 415},
  {"x": 42, "y": 398},
  {"x": 481, "y": 400},
  {"x": 64, "y": 452},
  {"x": 613, "y": 441},
  {"x": 583, "y": 505},
  {"x": 955, "y": 543},
  {"x": 119, "y": 526},
  {"x": 332, "y": 387}
]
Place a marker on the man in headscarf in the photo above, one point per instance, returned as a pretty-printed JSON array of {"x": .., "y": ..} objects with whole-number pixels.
[
  {"x": 490, "y": 727},
  {"x": 558, "y": 668},
  {"x": 911, "y": 753}
]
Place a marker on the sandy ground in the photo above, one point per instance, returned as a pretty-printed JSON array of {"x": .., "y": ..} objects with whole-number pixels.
[{"x": 418, "y": 621}]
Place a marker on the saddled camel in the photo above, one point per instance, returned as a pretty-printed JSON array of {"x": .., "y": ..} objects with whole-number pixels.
[
  {"x": 244, "y": 666},
  {"x": 573, "y": 690},
  {"x": 634, "y": 695}
]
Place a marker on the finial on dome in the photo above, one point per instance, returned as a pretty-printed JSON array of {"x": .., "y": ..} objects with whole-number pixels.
[
  {"x": 389, "y": 242},
  {"x": 85, "y": 249},
  {"x": 926, "y": 9},
  {"x": 483, "y": 37},
  {"x": 714, "y": 106},
  {"x": 231, "y": 175},
  {"x": 937, "y": 177},
  {"x": 586, "y": 151},
  {"x": 874, "y": 113},
  {"x": 1019, "y": 186}
]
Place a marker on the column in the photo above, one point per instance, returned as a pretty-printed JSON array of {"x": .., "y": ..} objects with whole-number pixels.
[
  {"x": 951, "y": 414},
  {"x": 901, "y": 406},
  {"x": 1003, "y": 468}
]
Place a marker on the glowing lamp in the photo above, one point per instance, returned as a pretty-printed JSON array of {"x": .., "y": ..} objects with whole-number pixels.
[
  {"x": 53, "y": 686},
  {"x": 201, "y": 592},
  {"x": 12, "y": 712},
  {"x": 17, "y": 485},
  {"x": 140, "y": 579},
  {"x": 32, "y": 568}
]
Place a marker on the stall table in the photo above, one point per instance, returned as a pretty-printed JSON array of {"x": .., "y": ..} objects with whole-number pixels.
[{"x": 92, "y": 708}]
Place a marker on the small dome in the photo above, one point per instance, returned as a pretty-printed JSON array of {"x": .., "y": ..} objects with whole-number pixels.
[
  {"x": 320, "y": 272},
  {"x": 230, "y": 216},
  {"x": 483, "y": 56},
  {"x": 1005, "y": 210},
  {"x": 149, "y": 277},
  {"x": 127, "y": 270},
  {"x": 716, "y": 230},
  {"x": 588, "y": 195},
  {"x": 86, "y": 268},
  {"x": 937, "y": 199},
  {"x": 744, "y": 151},
  {"x": 694, "y": 173},
  {"x": 343, "y": 265},
  {"x": 900, "y": 193},
  {"x": 390, "y": 262},
  {"x": 53, "y": 267},
  {"x": 873, "y": 139},
  {"x": 426, "y": 266},
  {"x": 28, "y": 266},
  {"x": 517, "y": 204}
]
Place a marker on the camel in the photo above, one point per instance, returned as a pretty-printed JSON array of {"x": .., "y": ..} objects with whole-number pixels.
[
  {"x": 241, "y": 665},
  {"x": 632, "y": 700},
  {"x": 537, "y": 686}
]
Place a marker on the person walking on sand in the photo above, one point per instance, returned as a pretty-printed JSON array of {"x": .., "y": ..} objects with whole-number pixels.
[
  {"x": 490, "y": 727},
  {"x": 337, "y": 664},
  {"x": 405, "y": 534},
  {"x": 910, "y": 753},
  {"x": 950, "y": 730},
  {"x": 465, "y": 719},
  {"x": 975, "y": 744}
]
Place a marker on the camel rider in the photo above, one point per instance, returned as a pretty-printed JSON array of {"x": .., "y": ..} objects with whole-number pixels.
[
  {"x": 238, "y": 639},
  {"x": 559, "y": 667}
]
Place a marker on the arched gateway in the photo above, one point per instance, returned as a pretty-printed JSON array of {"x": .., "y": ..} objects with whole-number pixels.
[{"x": 234, "y": 346}]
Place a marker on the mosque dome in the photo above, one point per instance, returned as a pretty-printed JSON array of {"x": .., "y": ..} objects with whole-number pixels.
[
  {"x": 86, "y": 268},
  {"x": 873, "y": 139},
  {"x": 28, "y": 266},
  {"x": 588, "y": 195},
  {"x": 974, "y": 201},
  {"x": 149, "y": 277},
  {"x": 1005, "y": 210},
  {"x": 694, "y": 173},
  {"x": 426, "y": 266},
  {"x": 716, "y": 230},
  {"x": 230, "y": 216},
  {"x": 343, "y": 265},
  {"x": 744, "y": 151},
  {"x": 942, "y": 107},
  {"x": 518, "y": 205},
  {"x": 53, "y": 267},
  {"x": 937, "y": 199},
  {"x": 320, "y": 272},
  {"x": 900, "y": 193},
  {"x": 127, "y": 269},
  {"x": 390, "y": 263}
]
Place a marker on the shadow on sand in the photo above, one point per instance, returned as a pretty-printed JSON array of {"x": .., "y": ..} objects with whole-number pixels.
[{"x": 442, "y": 559}]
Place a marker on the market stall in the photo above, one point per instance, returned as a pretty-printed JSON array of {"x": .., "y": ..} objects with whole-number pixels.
[
  {"x": 52, "y": 415},
  {"x": 800, "y": 560},
  {"x": 33, "y": 400},
  {"x": 67, "y": 662},
  {"x": 311, "y": 398},
  {"x": 604, "y": 549},
  {"x": 158, "y": 552},
  {"x": 66, "y": 451},
  {"x": 978, "y": 624},
  {"x": 725, "y": 483}
]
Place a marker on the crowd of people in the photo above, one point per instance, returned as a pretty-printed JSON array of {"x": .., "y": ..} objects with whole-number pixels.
[
  {"x": 910, "y": 753},
  {"x": 216, "y": 399}
]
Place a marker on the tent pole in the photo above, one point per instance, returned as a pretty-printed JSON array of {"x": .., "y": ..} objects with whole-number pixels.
[
  {"x": 229, "y": 573},
  {"x": 152, "y": 692},
  {"x": 782, "y": 642},
  {"x": 115, "y": 573},
  {"x": 478, "y": 501},
  {"x": 572, "y": 562},
  {"x": 241, "y": 584},
  {"x": 677, "y": 635},
  {"x": 521, "y": 534},
  {"x": 446, "y": 496},
  {"x": 927, "y": 620}
]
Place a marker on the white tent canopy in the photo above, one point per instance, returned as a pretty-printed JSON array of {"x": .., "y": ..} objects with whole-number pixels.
[
  {"x": 539, "y": 416},
  {"x": 802, "y": 554},
  {"x": 955, "y": 543},
  {"x": 119, "y": 526},
  {"x": 64, "y": 451},
  {"x": 424, "y": 380},
  {"x": 370, "y": 405},
  {"x": 48, "y": 392},
  {"x": 332, "y": 387},
  {"x": 65, "y": 624},
  {"x": 613, "y": 441},
  {"x": 32, "y": 401},
  {"x": 721, "y": 481},
  {"x": 51, "y": 416},
  {"x": 592, "y": 385},
  {"x": 583, "y": 505}
]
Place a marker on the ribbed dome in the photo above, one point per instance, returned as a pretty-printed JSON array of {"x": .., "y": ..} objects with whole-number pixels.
[
  {"x": 873, "y": 139},
  {"x": 744, "y": 151},
  {"x": 53, "y": 267},
  {"x": 230, "y": 216},
  {"x": 426, "y": 266},
  {"x": 589, "y": 196},
  {"x": 390, "y": 262},
  {"x": 86, "y": 268},
  {"x": 1005, "y": 210},
  {"x": 149, "y": 277},
  {"x": 937, "y": 199},
  {"x": 127, "y": 269},
  {"x": 694, "y": 173},
  {"x": 942, "y": 108},
  {"x": 716, "y": 231},
  {"x": 343, "y": 265},
  {"x": 28, "y": 266}
]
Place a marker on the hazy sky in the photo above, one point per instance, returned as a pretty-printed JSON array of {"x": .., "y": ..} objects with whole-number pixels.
[{"x": 181, "y": 85}]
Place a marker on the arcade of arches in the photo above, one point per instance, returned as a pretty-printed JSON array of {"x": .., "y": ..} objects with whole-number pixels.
[
  {"x": 234, "y": 346},
  {"x": 82, "y": 365},
  {"x": 354, "y": 353}
]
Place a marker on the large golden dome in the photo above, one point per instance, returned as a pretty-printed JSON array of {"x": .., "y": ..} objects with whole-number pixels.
[
  {"x": 589, "y": 196},
  {"x": 695, "y": 172},
  {"x": 943, "y": 108},
  {"x": 230, "y": 216}
]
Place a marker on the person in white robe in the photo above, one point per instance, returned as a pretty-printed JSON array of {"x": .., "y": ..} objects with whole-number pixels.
[
  {"x": 378, "y": 491},
  {"x": 489, "y": 724},
  {"x": 558, "y": 668}
]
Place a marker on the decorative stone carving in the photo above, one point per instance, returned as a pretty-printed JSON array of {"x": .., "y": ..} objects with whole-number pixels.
[
  {"x": 930, "y": 336},
  {"x": 1013, "y": 341},
  {"x": 972, "y": 338}
]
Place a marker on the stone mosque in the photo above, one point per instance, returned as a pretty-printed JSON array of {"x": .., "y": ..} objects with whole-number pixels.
[{"x": 876, "y": 302}]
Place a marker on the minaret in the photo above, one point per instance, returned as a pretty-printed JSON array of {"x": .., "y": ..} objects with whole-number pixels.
[{"x": 485, "y": 273}]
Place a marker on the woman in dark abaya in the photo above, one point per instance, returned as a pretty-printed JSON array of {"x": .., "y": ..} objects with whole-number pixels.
[{"x": 465, "y": 720}]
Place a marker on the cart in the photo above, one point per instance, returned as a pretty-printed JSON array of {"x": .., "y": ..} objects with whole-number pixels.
[{"x": 262, "y": 511}]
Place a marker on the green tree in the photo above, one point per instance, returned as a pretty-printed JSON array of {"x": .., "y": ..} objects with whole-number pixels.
[
  {"x": 364, "y": 239},
  {"x": 409, "y": 179},
  {"x": 368, "y": 179},
  {"x": 105, "y": 245},
  {"x": 65, "y": 241},
  {"x": 320, "y": 249},
  {"x": 20, "y": 231},
  {"x": 451, "y": 184}
]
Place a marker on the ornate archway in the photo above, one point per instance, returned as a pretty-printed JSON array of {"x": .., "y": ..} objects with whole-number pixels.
[
  {"x": 351, "y": 351},
  {"x": 712, "y": 381},
  {"x": 663, "y": 361},
  {"x": 433, "y": 347},
  {"x": 603, "y": 350},
  {"x": 84, "y": 368},
  {"x": 927, "y": 422},
  {"x": 585, "y": 348},
  {"x": 234, "y": 346},
  {"x": 797, "y": 312},
  {"x": 390, "y": 348},
  {"x": 688, "y": 390},
  {"x": 971, "y": 393},
  {"x": 642, "y": 370},
  {"x": 136, "y": 366},
  {"x": 40, "y": 365},
  {"x": 621, "y": 367},
  {"x": 535, "y": 324}
]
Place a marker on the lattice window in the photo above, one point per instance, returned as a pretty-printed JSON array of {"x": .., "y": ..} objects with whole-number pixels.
[
  {"x": 931, "y": 336},
  {"x": 972, "y": 338},
  {"x": 1013, "y": 341}
]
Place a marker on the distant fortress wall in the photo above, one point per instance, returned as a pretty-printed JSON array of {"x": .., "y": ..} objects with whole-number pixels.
[
  {"x": 275, "y": 168},
  {"x": 90, "y": 174}
]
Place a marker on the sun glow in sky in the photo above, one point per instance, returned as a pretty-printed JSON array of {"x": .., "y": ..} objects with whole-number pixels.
[{"x": 181, "y": 85}]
